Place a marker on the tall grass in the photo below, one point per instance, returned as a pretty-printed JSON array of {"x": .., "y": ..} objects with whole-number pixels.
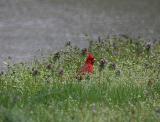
[{"x": 46, "y": 89}]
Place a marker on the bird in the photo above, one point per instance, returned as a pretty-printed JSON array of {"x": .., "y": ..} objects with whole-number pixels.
[{"x": 87, "y": 68}]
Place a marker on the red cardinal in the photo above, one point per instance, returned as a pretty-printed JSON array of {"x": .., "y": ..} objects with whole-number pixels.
[{"x": 88, "y": 67}]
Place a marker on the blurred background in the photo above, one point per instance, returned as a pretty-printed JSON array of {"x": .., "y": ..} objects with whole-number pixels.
[{"x": 29, "y": 25}]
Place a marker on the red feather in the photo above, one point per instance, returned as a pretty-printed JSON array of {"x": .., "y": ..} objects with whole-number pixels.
[{"x": 88, "y": 67}]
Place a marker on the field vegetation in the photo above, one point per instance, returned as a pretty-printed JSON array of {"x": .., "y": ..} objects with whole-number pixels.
[{"x": 125, "y": 86}]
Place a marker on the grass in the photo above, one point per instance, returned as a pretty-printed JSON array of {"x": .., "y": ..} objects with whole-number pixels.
[{"x": 127, "y": 88}]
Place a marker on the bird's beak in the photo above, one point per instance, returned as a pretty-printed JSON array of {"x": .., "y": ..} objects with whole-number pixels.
[{"x": 93, "y": 60}]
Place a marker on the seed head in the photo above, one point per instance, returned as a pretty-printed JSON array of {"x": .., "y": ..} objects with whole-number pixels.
[
  {"x": 1, "y": 73},
  {"x": 57, "y": 55},
  {"x": 35, "y": 72},
  {"x": 150, "y": 82},
  {"x": 103, "y": 63},
  {"x": 148, "y": 47},
  {"x": 61, "y": 72},
  {"x": 13, "y": 72},
  {"x": 99, "y": 39},
  {"x": 84, "y": 52},
  {"x": 113, "y": 66},
  {"x": 9, "y": 57},
  {"x": 49, "y": 66},
  {"x": 68, "y": 43}
]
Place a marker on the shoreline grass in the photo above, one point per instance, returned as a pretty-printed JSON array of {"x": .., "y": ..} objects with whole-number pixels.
[{"x": 126, "y": 89}]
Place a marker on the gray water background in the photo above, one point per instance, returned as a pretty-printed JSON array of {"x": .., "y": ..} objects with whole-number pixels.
[{"x": 29, "y": 25}]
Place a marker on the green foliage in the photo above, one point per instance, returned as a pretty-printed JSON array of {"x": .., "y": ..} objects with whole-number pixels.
[{"x": 127, "y": 88}]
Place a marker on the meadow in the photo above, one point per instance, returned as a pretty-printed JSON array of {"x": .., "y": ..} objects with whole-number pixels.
[{"x": 125, "y": 86}]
